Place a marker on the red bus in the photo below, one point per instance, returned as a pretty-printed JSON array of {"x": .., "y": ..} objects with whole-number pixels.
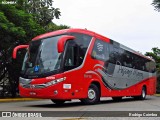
[{"x": 81, "y": 64}]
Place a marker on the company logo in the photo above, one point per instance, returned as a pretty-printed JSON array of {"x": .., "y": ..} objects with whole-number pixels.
[
  {"x": 6, "y": 114},
  {"x": 21, "y": 114},
  {"x": 99, "y": 47},
  {"x": 32, "y": 86}
]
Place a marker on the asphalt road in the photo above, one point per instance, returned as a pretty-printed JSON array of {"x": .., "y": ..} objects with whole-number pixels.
[{"x": 152, "y": 103}]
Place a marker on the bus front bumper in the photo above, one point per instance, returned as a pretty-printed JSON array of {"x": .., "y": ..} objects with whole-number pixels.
[{"x": 51, "y": 92}]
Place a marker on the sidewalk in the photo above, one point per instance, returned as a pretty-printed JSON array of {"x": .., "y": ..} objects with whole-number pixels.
[{"x": 17, "y": 99}]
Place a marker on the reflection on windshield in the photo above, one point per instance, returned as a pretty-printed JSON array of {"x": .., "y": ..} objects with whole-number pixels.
[{"x": 42, "y": 57}]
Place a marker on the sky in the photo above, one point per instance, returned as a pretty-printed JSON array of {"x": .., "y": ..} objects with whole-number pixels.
[{"x": 133, "y": 23}]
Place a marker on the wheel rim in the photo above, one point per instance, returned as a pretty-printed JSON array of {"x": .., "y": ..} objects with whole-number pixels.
[
  {"x": 143, "y": 93},
  {"x": 91, "y": 94}
]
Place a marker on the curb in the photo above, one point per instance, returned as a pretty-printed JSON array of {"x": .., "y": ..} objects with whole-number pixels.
[
  {"x": 18, "y": 99},
  {"x": 32, "y": 99}
]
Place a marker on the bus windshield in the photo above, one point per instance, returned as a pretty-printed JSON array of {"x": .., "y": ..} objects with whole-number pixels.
[{"x": 42, "y": 57}]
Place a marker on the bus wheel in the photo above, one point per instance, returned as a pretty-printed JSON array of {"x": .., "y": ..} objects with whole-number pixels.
[
  {"x": 93, "y": 95},
  {"x": 58, "y": 102},
  {"x": 117, "y": 98},
  {"x": 143, "y": 94}
]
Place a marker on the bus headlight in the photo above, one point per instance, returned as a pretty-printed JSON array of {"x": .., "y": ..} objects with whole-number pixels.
[
  {"x": 53, "y": 82},
  {"x": 24, "y": 82}
]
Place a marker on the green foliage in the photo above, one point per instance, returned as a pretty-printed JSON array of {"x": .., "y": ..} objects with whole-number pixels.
[
  {"x": 6, "y": 26},
  {"x": 156, "y": 4},
  {"x": 19, "y": 23},
  {"x": 16, "y": 25},
  {"x": 42, "y": 10},
  {"x": 53, "y": 27},
  {"x": 155, "y": 54}
]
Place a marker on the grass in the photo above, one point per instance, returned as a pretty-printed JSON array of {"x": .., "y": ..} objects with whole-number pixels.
[{"x": 157, "y": 95}]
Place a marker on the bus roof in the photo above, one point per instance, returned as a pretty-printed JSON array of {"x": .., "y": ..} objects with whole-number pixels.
[{"x": 85, "y": 31}]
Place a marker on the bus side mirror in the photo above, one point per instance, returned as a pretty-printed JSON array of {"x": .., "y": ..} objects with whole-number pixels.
[
  {"x": 17, "y": 48},
  {"x": 62, "y": 41}
]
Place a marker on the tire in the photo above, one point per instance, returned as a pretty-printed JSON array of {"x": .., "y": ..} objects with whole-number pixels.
[
  {"x": 58, "y": 102},
  {"x": 93, "y": 95},
  {"x": 143, "y": 94},
  {"x": 117, "y": 98}
]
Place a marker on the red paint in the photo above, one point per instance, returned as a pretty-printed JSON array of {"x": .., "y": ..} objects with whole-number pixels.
[
  {"x": 79, "y": 83},
  {"x": 62, "y": 41},
  {"x": 17, "y": 48}
]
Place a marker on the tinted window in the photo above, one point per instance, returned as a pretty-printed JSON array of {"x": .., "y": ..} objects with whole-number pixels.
[
  {"x": 76, "y": 50},
  {"x": 114, "y": 56},
  {"x": 42, "y": 58},
  {"x": 100, "y": 50},
  {"x": 111, "y": 53},
  {"x": 71, "y": 58}
]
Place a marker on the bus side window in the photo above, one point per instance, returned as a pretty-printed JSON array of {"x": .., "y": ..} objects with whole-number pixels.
[
  {"x": 128, "y": 59},
  {"x": 99, "y": 50},
  {"x": 107, "y": 52},
  {"x": 76, "y": 50},
  {"x": 82, "y": 41},
  {"x": 111, "y": 54},
  {"x": 114, "y": 55},
  {"x": 152, "y": 67},
  {"x": 71, "y": 58}
]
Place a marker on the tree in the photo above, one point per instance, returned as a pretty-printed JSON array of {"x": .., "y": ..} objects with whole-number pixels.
[
  {"x": 155, "y": 54},
  {"x": 53, "y": 27},
  {"x": 42, "y": 10},
  {"x": 156, "y": 4},
  {"x": 16, "y": 27}
]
